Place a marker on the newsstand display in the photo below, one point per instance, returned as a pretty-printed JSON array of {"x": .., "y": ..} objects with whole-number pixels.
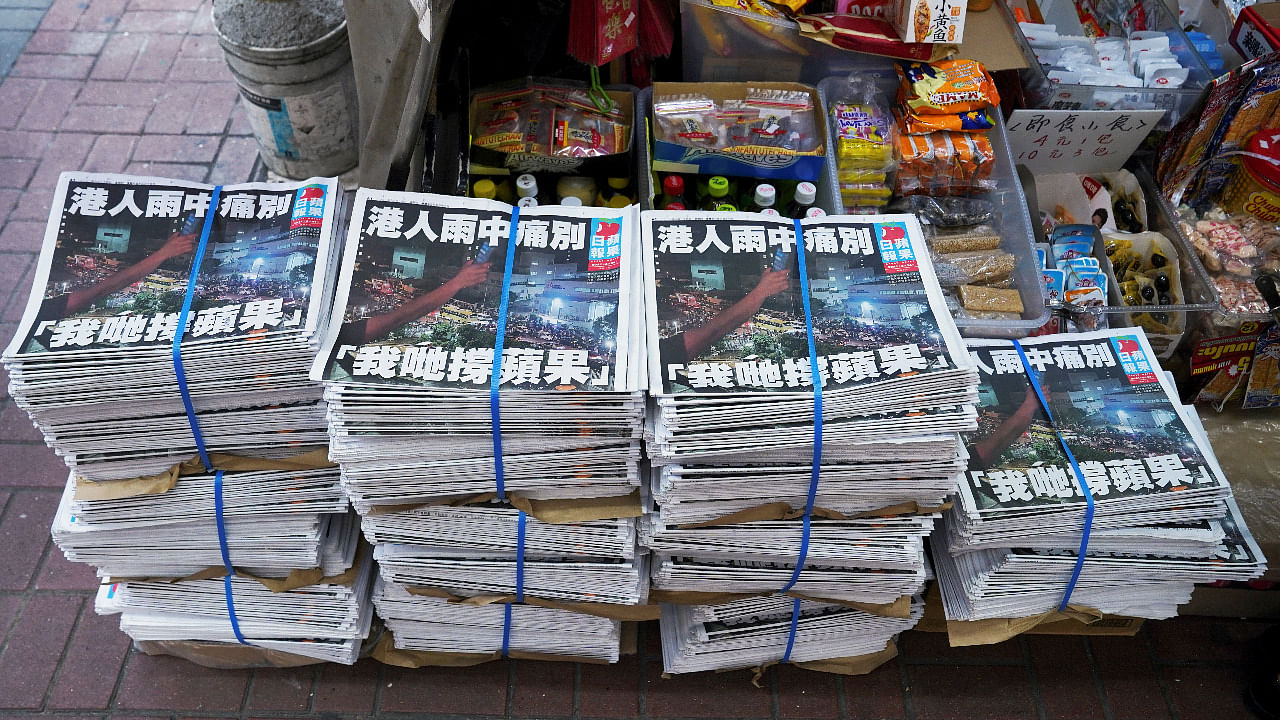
[{"x": 816, "y": 323}]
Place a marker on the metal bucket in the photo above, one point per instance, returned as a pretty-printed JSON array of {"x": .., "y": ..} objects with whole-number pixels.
[{"x": 301, "y": 102}]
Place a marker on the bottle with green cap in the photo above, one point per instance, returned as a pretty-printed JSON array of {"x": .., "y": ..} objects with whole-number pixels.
[
  {"x": 717, "y": 193},
  {"x": 726, "y": 207}
]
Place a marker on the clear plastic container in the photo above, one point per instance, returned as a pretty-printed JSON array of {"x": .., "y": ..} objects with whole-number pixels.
[
  {"x": 1045, "y": 93},
  {"x": 1016, "y": 234}
]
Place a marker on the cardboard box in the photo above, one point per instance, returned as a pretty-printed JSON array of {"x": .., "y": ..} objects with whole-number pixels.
[
  {"x": 929, "y": 21},
  {"x": 1257, "y": 30},
  {"x": 761, "y": 162}
]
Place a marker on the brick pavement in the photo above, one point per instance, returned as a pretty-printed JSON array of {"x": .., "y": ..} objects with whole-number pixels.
[{"x": 139, "y": 86}]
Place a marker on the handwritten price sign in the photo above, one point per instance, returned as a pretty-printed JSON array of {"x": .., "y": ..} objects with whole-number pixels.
[{"x": 1077, "y": 141}]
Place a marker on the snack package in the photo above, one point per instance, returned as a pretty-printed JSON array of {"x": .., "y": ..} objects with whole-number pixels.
[
  {"x": 947, "y": 87},
  {"x": 946, "y": 212},
  {"x": 502, "y": 128},
  {"x": 691, "y": 120},
  {"x": 546, "y": 119},
  {"x": 1264, "y": 376},
  {"x": 579, "y": 134},
  {"x": 777, "y": 118},
  {"x": 862, "y": 130},
  {"x": 944, "y": 163},
  {"x": 871, "y": 35},
  {"x": 968, "y": 121},
  {"x": 974, "y": 267}
]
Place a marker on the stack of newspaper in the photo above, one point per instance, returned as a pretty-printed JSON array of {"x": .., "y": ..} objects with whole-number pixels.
[
  {"x": 92, "y": 360},
  {"x": 1163, "y": 515},
  {"x": 408, "y": 366},
  {"x": 94, "y": 365},
  {"x": 733, "y": 428}
]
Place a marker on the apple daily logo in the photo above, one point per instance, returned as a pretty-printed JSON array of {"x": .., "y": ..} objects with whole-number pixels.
[{"x": 766, "y": 158}]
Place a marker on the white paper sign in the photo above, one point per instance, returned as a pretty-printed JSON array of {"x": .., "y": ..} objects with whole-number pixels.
[{"x": 1077, "y": 141}]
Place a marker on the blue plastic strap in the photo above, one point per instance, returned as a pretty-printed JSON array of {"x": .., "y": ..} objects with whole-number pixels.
[
  {"x": 178, "y": 370},
  {"x": 1075, "y": 468},
  {"x": 495, "y": 411},
  {"x": 807, "y": 519},
  {"x": 495, "y": 417},
  {"x": 226, "y": 558}
]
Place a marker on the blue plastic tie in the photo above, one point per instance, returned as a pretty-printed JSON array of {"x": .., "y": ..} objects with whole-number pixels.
[
  {"x": 807, "y": 520},
  {"x": 226, "y": 558},
  {"x": 495, "y": 416},
  {"x": 178, "y": 370},
  {"x": 1079, "y": 476}
]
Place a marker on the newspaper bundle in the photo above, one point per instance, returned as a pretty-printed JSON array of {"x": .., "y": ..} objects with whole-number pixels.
[
  {"x": 93, "y": 363},
  {"x": 408, "y": 367},
  {"x": 733, "y": 425},
  {"x": 1163, "y": 515}
]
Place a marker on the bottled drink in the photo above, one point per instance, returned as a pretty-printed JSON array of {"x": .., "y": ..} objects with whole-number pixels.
[
  {"x": 717, "y": 193},
  {"x": 484, "y": 189},
  {"x": 582, "y": 188},
  {"x": 815, "y": 212},
  {"x": 616, "y": 193},
  {"x": 674, "y": 206},
  {"x": 764, "y": 197},
  {"x": 571, "y": 201},
  {"x": 527, "y": 202},
  {"x": 770, "y": 212},
  {"x": 726, "y": 207},
  {"x": 672, "y": 191},
  {"x": 527, "y": 186},
  {"x": 805, "y": 196}
]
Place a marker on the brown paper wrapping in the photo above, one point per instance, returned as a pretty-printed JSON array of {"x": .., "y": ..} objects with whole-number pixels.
[
  {"x": 555, "y": 512},
  {"x": 854, "y": 665},
  {"x": 385, "y": 651},
  {"x": 784, "y": 511},
  {"x": 163, "y": 482},
  {"x": 987, "y": 632},
  {"x": 225, "y": 656}
]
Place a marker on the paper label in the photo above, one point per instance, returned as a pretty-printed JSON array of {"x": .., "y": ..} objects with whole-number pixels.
[{"x": 1077, "y": 141}]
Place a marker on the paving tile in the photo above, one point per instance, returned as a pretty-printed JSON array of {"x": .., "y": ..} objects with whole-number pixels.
[
  {"x": 63, "y": 15},
  {"x": 15, "y": 95},
  {"x": 188, "y": 69},
  {"x": 1067, "y": 686},
  {"x": 71, "y": 43},
  {"x": 166, "y": 4},
  {"x": 1208, "y": 693},
  {"x": 155, "y": 21},
  {"x": 173, "y": 107},
  {"x": 39, "y": 4},
  {"x": 93, "y": 661},
  {"x": 24, "y": 533},
  {"x": 876, "y": 695},
  {"x": 59, "y": 573},
  {"x": 120, "y": 92},
  {"x": 161, "y": 682},
  {"x": 917, "y": 645},
  {"x": 805, "y": 693},
  {"x": 16, "y": 172},
  {"x": 110, "y": 153},
  {"x": 156, "y": 59},
  {"x": 1198, "y": 639},
  {"x": 610, "y": 691},
  {"x": 32, "y": 206},
  {"x": 8, "y": 201},
  {"x": 203, "y": 23},
  {"x": 69, "y": 67},
  {"x": 20, "y": 18},
  {"x": 117, "y": 57},
  {"x": 235, "y": 161},
  {"x": 176, "y": 148},
  {"x": 23, "y": 143},
  {"x": 239, "y": 121},
  {"x": 479, "y": 690},
  {"x": 34, "y": 648},
  {"x": 15, "y": 426},
  {"x": 47, "y": 108},
  {"x": 66, "y": 152},
  {"x": 200, "y": 46},
  {"x": 281, "y": 689},
  {"x": 942, "y": 692},
  {"x": 704, "y": 694},
  {"x": 10, "y": 604},
  {"x": 105, "y": 119},
  {"x": 195, "y": 173},
  {"x": 16, "y": 271},
  {"x": 101, "y": 15},
  {"x": 1128, "y": 677},
  {"x": 542, "y": 689},
  {"x": 212, "y": 109},
  {"x": 343, "y": 689}
]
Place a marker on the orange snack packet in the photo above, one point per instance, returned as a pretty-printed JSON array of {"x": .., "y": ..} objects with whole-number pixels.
[{"x": 946, "y": 87}]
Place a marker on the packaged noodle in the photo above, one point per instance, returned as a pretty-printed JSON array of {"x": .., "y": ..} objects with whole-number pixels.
[{"x": 946, "y": 87}]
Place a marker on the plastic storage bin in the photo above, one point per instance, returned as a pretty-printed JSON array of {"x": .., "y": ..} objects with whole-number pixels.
[
  {"x": 1016, "y": 234},
  {"x": 1045, "y": 93}
]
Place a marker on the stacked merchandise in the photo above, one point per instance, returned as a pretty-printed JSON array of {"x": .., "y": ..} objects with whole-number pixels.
[
  {"x": 1157, "y": 516},
  {"x": 248, "y": 272},
  {"x": 734, "y": 346},
  {"x": 432, "y": 291}
]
